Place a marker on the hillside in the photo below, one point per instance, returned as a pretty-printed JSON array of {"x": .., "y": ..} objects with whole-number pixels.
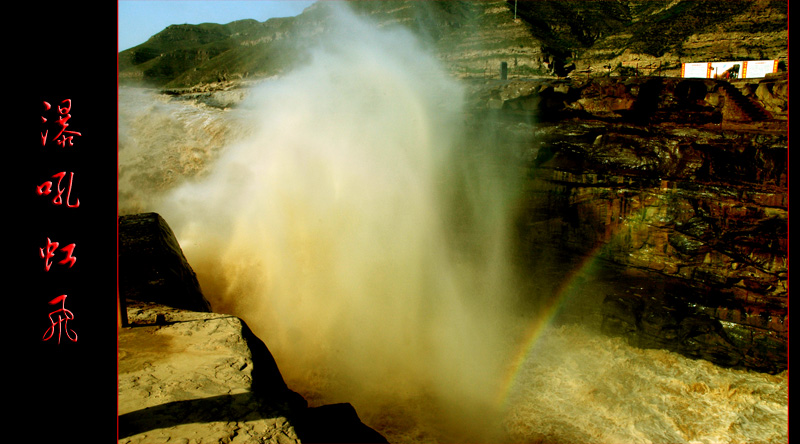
[{"x": 534, "y": 38}]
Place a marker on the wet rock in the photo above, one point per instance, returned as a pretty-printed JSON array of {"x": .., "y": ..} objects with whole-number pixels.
[{"x": 673, "y": 319}]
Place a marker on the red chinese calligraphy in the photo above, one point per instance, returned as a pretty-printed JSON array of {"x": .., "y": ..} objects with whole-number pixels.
[
  {"x": 47, "y": 253},
  {"x": 64, "y": 136},
  {"x": 44, "y": 135},
  {"x": 67, "y": 316},
  {"x": 46, "y": 188}
]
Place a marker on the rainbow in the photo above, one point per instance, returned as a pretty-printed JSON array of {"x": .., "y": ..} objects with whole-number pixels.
[
  {"x": 545, "y": 317},
  {"x": 556, "y": 302}
]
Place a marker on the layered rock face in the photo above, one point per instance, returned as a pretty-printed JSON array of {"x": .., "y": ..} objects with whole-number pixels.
[{"x": 681, "y": 183}]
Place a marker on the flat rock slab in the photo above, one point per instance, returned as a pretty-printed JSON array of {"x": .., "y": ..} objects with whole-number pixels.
[
  {"x": 199, "y": 377},
  {"x": 188, "y": 377}
]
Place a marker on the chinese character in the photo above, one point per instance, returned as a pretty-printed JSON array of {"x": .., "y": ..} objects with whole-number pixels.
[
  {"x": 44, "y": 135},
  {"x": 53, "y": 323},
  {"x": 45, "y": 188},
  {"x": 65, "y": 136},
  {"x": 47, "y": 253}
]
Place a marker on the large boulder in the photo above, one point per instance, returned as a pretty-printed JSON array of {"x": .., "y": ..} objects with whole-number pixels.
[
  {"x": 153, "y": 267},
  {"x": 205, "y": 377},
  {"x": 189, "y": 375}
]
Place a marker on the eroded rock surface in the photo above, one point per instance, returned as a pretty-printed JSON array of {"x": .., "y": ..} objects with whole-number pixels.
[
  {"x": 202, "y": 377},
  {"x": 682, "y": 182}
]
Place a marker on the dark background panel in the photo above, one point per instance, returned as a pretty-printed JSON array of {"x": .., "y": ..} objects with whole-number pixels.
[{"x": 63, "y": 391}]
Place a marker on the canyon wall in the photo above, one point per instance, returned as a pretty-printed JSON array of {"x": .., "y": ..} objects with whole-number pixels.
[{"x": 682, "y": 185}]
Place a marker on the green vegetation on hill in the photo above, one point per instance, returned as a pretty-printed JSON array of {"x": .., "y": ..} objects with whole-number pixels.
[
  {"x": 183, "y": 55},
  {"x": 187, "y": 55}
]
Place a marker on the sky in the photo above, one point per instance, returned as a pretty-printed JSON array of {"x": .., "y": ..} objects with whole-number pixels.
[{"x": 139, "y": 20}]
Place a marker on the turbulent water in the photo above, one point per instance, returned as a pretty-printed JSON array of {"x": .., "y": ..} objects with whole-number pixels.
[
  {"x": 349, "y": 214},
  {"x": 604, "y": 391}
]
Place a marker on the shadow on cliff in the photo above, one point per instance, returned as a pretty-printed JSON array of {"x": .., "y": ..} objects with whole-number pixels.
[
  {"x": 332, "y": 423},
  {"x": 270, "y": 398}
]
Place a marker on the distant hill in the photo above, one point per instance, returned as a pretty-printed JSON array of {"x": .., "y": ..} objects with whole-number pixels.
[{"x": 473, "y": 37}]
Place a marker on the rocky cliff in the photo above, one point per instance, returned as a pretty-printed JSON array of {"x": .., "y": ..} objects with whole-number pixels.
[
  {"x": 199, "y": 376},
  {"x": 682, "y": 184}
]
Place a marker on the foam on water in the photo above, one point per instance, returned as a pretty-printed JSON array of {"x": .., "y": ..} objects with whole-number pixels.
[
  {"x": 577, "y": 386},
  {"x": 162, "y": 143}
]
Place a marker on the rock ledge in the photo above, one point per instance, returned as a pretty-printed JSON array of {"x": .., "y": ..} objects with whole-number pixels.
[{"x": 194, "y": 376}]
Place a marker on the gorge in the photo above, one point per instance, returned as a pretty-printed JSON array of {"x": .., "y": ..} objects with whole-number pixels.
[{"x": 593, "y": 258}]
